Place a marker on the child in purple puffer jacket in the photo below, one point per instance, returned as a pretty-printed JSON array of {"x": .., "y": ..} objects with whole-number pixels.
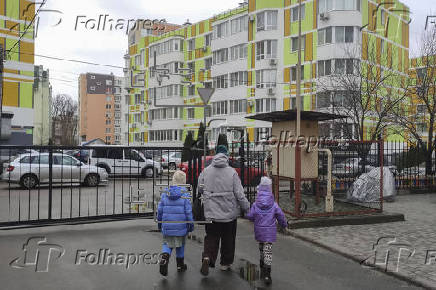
[{"x": 265, "y": 212}]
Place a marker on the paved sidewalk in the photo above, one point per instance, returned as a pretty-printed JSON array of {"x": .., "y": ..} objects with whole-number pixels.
[
  {"x": 296, "y": 264},
  {"x": 412, "y": 243}
]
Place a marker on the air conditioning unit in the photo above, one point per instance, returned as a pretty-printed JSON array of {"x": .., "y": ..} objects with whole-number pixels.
[
  {"x": 324, "y": 16},
  {"x": 252, "y": 17},
  {"x": 271, "y": 91},
  {"x": 273, "y": 62}
]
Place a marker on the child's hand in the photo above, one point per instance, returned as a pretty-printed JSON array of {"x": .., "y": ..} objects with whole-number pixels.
[{"x": 190, "y": 228}]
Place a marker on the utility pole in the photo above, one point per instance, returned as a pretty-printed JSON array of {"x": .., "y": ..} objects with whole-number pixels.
[{"x": 298, "y": 129}]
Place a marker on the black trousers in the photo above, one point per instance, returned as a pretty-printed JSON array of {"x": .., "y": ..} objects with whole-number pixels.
[{"x": 224, "y": 232}]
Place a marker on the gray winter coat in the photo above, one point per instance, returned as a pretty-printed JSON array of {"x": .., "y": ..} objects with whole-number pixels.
[{"x": 222, "y": 191}]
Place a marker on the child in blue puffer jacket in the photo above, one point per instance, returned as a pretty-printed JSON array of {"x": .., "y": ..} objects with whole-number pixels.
[{"x": 175, "y": 208}]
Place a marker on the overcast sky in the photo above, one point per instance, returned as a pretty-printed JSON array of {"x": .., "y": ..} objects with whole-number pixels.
[{"x": 108, "y": 47}]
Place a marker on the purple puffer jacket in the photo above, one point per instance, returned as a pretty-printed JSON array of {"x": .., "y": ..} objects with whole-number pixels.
[{"x": 264, "y": 212}]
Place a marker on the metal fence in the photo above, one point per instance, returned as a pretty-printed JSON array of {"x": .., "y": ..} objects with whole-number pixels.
[{"x": 55, "y": 184}]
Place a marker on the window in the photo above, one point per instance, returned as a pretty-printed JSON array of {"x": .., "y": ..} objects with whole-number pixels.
[
  {"x": 294, "y": 43},
  {"x": 343, "y": 66},
  {"x": 220, "y": 82},
  {"x": 191, "y": 90},
  {"x": 266, "y": 78},
  {"x": 239, "y": 24},
  {"x": 344, "y": 34},
  {"x": 262, "y": 134},
  {"x": 191, "y": 44},
  {"x": 323, "y": 100},
  {"x": 295, "y": 11},
  {"x": 325, "y": 36},
  {"x": 208, "y": 39},
  {"x": 324, "y": 68},
  {"x": 219, "y": 108},
  {"x": 221, "y": 30},
  {"x": 238, "y": 106},
  {"x": 266, "y": 49},
  {"x": 267, "y": 20},
  {"x": 208, "y": 63},
  {"x": 221, "y": 56},
  {"x": 191, "y": 113},
  {"x": 92, "y": 88},
  {"x": 294, "y": 73}
]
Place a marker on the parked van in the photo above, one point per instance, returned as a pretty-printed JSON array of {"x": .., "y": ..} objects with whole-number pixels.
[{"x": 123, "y": 161}]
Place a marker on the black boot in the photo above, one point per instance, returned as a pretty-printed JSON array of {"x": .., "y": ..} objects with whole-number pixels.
[
  {"x": 181, "y": 266},
  {"x": 205, "y": 266},
  {"x": 262, "y": 269},
  {"x": 267, "y": 278},
  {"x": 164, "y": 260}
]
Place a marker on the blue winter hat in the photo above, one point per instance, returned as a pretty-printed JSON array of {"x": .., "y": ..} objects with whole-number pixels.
[{"x": 222, "y": 149}]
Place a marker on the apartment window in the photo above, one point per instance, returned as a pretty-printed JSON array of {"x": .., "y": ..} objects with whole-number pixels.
[
  {"x": 108, "y": 98},
  {"x": 238, "y": 106},
  {"x": 108, "y": 130},
  {"x": 221, "y": 56},
  {"x": 323, "y": 100},
  {"x": 221, "y": 30},
  {"x": 191, "y": 90},
  {"x": 265, "y": 105},
  {"x": 238, "y": 52},
  {"x": 221, "y": 82},
  {"x": 267, "y": 20},
  {"x": 295, "y": 11},
  {"x": 294, "y": 73},
  {"x": 294, "y": 43},
  {"x": 208, "y": 39},
  {"x": 108, "y": 122},
  {"x": 191, "y": 44},
  {"x": 238, "y": 78},
  {"x": 325, "y": 36},
  {"x": 344, "y": 34},
  {"x": 266, "y": 78},
  {"x": 208, "y": 63},
  {"x": 328, "y": 5},
  {"x": 343, "y": 66},
  {"x": 239, "y": 24},
  {"x": 324, "y": 68},
  {"x": 266, "y": 49},
  {"x": 191, "y": 113},
  {"x": 219, "y": 108}
]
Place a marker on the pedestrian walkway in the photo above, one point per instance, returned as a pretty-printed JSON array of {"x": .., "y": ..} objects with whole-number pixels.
[
  {"x": 412, "y": 243},
  {"x": 120, "y": 255}
]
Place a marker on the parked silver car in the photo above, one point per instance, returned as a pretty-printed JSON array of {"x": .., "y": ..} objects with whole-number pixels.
[
  {"x": 30, "y": 170},
  {"x": 172, "y": 160}
]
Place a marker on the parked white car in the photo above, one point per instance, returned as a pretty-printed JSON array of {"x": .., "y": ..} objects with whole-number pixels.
[
  {"x": 30, "y": 170},
  {"x": 172, "y": 160},
  {"x": 117, "y": 160}
]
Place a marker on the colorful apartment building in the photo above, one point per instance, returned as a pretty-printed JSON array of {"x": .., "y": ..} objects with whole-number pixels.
[
  {"x": 17, "y": 39},
  {"x": 249, "y": 55}
]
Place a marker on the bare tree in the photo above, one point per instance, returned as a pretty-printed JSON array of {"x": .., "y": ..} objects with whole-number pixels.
[
  {"x": 64, "y": 116},
  {"x": 415, "y": 123},
  {"x": 366, "y": 88}
]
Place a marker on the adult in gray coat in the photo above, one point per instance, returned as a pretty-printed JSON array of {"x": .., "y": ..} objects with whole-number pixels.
[{"x": 223, "y": 200}]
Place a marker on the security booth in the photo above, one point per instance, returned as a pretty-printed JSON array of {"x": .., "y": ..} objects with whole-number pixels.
[{"x": 284, "y": 165}]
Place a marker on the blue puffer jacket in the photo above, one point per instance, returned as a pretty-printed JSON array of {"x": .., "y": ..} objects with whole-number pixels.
[{"x": 175, "y": 206}]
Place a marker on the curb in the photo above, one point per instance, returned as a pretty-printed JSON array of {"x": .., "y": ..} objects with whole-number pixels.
[{"x": 417, "y": 282}]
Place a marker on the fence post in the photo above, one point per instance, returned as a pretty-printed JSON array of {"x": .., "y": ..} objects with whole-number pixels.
[{"x": 50, "y": 181}]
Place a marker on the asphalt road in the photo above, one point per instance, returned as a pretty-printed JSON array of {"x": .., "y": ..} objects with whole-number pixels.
[
  {"x": 73, "y": 200},
  {"x": 296, "y": 264}
]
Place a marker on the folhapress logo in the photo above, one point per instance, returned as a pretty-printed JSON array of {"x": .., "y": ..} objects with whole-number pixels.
[{"x": 38, "y": 254}]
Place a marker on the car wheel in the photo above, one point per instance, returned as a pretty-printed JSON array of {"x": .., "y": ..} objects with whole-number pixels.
[
  {"x": 148, "y": 172},
  {"x": 92, "y": 180},
  {"x": 29, "y": 181},
  {"x": 173, "y": 166}
]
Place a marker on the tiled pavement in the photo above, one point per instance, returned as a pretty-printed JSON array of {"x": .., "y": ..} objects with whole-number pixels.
[{"x": 412, "y": 243}]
